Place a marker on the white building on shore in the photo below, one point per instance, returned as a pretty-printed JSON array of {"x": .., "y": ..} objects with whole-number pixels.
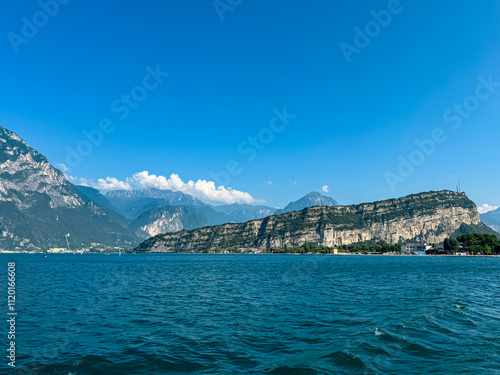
[{"x": 414, "y": 247}]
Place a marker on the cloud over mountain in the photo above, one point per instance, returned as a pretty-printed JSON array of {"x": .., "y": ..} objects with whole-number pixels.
[
  {"x": 204, "y": 190},
  {"x": 484, "y": 208},
  {"x": 108, "y": 183}
]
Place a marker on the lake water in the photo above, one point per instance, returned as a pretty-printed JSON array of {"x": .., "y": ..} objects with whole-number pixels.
[{"x": 254, "y": 314}]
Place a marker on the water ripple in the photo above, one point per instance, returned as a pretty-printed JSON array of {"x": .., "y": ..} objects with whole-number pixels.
[{"x": 256, "y": 314}]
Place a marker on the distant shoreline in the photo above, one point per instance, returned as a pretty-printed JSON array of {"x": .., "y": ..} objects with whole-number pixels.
[{"x": 237, "y": 254}]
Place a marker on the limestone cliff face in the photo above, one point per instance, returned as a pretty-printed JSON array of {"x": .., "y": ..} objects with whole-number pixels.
[
  {"x": 163, "y": 224},
  {"x": 429, "y": 217},
  {"x": 168, "y": 219}
]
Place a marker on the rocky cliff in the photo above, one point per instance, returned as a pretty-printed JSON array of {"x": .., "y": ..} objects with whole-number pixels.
[
  {"x": 168, "y": 219},
  {"x": 428, "y": 217},
  {"x": 39, "y": 207},
  {"x": 25, "y": 173}
]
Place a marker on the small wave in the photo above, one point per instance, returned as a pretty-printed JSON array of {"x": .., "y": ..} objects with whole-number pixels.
[
  {"x": 134, "y": 364},
  {"x": 282, "y": 370},
  {"x": 378, "y": 332},
  {"x": 345, "y": 359}
]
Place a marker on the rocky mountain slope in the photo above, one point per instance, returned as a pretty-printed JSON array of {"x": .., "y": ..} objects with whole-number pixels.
[
  {"x": 97, "y": 197},
  {"x": 310, "y": 200},
  {"x": 38, "y": 206},
  {"x": 168, "y": 219},
  {"x": 428, "y": 217},
  {"x": 492, "y": 219},
  {"x": 134, "y": 203}
]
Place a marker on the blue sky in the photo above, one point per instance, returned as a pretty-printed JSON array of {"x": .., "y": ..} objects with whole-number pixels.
[{"x": 232, "y": 69}]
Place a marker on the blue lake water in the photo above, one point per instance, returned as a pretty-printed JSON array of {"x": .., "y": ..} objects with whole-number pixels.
[{"x": 254, "y": 314}]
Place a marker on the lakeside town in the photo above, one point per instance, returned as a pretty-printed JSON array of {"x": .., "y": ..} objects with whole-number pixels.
[{"x": 472, "y": 244}]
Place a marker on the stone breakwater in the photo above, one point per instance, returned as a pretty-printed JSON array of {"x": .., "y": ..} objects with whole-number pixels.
[{"x": 429, "y": 217}]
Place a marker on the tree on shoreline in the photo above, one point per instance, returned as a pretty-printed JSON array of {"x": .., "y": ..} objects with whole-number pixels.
[
  {"x": 451, "y": 244},
  {"x": 484, "y": 243}
]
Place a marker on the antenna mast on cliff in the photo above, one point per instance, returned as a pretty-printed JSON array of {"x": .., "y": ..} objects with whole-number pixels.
[{"x": 459, "y": 190}]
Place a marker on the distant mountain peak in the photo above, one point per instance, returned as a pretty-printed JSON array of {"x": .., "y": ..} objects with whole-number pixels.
[
  {"x": 6, "y": 133},
  {"x": 312, "y": 199},
  {"x": 315, "y": 194}
]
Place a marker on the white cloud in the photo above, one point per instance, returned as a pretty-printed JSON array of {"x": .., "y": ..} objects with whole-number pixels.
[
  {"x": 108, "y": 183},
  {"x": 293, "y": 182},
  {"x": 111, "y": 183},
  {"x": 204, "y": 190},
  {"x": 486, "y": 208},
  {"x": 325, "y": 188},
  {"x": 62, "y": 167},
  {"x": 269, "y": 182},
  {"x": 201, "y": 189}
]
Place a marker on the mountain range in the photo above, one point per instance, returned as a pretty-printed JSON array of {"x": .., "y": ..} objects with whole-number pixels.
[
  {"x": 141, "y": 204},
  {"x": 41, "y": 209},
  {"x": 428, "y": 217}
]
